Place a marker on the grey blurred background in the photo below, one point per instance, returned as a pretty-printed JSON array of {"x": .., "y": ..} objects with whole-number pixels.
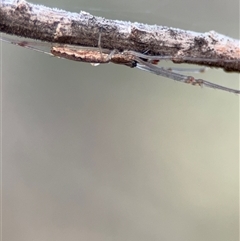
[{"x": 112, "y": 153}]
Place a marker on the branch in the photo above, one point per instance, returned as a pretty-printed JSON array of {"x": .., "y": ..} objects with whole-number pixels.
[{"x": 57, "y": 26}]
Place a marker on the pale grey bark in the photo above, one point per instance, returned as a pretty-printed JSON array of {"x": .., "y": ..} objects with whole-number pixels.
[{"x": 57, "y": 26}]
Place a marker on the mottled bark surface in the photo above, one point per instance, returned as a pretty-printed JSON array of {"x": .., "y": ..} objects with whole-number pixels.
[{"x": 57, "y": 26}]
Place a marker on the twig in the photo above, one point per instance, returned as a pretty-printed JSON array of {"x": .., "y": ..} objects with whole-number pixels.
[{"x": 57, "y": 26}]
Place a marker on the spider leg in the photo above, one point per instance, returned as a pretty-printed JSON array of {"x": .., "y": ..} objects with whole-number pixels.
[
  {"x": 179, "y": 77},
  {"x": 219, "y": 87},
  {"x": 190, "y": 70},
  {"x": 155, "y": 59}
]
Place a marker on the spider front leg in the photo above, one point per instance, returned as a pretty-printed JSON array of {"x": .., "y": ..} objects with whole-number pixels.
[
  {"x": 156, "y": 59},
  {"x": 144, "y": 65}
]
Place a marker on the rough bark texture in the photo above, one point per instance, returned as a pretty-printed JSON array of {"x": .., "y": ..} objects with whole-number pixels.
[{"x": 57, "y": 26}]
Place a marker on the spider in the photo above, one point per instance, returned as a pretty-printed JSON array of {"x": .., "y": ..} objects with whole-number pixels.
[{"x": 129, "y": 58}]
